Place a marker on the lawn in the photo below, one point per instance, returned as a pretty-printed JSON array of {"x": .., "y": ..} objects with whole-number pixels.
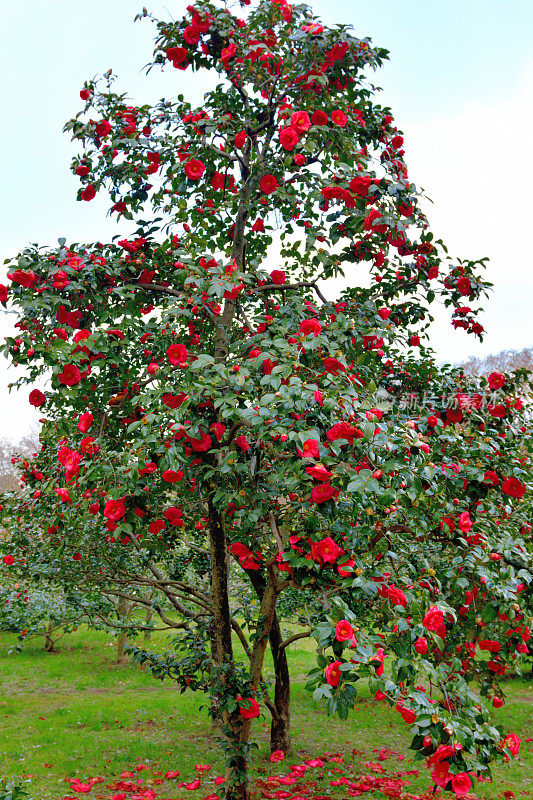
[{"x": 75, "y": 713}]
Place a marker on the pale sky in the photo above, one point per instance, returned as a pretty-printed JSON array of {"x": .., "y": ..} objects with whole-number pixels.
[{"x": 460, "y": 83}]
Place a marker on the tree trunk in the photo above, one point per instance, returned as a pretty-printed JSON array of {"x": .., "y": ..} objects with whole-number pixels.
[
  {"x": 148, "y": 619},
  {"x": 280, "y": 728},
  {"x": 236, "y": 786},
  {"x": 123, "y": 612},
  {"x": 236, "y": 730},
  {"x": 48, "y": 641},
  {"x": 216, "y": 717}
]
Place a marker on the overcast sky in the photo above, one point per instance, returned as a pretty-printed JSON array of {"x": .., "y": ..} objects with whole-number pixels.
[{"x": 460, "y": 83}]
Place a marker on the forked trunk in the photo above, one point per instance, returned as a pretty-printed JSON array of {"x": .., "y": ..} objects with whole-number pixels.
[{"x": 280, "y": 728}]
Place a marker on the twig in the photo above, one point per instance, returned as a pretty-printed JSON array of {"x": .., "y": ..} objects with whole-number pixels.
[{"x": 269, "y": 287}]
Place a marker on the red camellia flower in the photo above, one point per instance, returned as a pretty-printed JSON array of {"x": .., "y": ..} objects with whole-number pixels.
[
  {"x": 173, "y": 773},
  {"x": 60, "y": 280},
  {"x": 114, "y": 510},
  {"x": 421, "y": 645},
  {"x": 288, "y": 138},
  {"x": 512, "y": 742},
  {"x": 332, "y": 673},
  {"x": 343, "y": 430},
  {"x": 268, "y": 184},
  {"x": 251, "y": 710},
  {"x": 85, "y": 421},
  {"x": 300, "y": 121},
  {"x": 173, "y": 514},
  {"x": 191, "y": 35},
  {"x": 156, "y": 526},
  {"x": 240, "y": 139},
  {"x": 443, "y": 752},
  {"x": 343, "y": 630},
  {"x": 339, "y": 118},
  {"x": 177, "y": 354},
  {"x": 177, "y": 55},
  {"x": 461, "y": 783},
  {"x": 64, "y": 495},
  {"x": 218, "y": 429},
  {"x": 174, "y": 400},
  {"x": 70, "y": 375},
  {"x": 8, "y": 560},
  {"x": 360, "y": 185},
  {"x": 310, "y": 449},
  {"x": 172, "y": 476},
  {"x": 333, "y": 365},
  {"x": 496, "y": 380},
  {"x": 102, "y": 129},
  {"x": 319, "y": 117},
  {"x": 278, "y": 277},
  {"x": 203, "y": 444},
  {"x": 397, "y": 141},
  {"x": 322, "y": 493},
  {"x": 326, "y": 551},
  {"x": 407, "y": 714},
  {"x": 26, "y": 278},
  {"x": 464, "y": 286},
  {"x": 490, "y": 645},
  {"x": 3, "y": 293},
  {"x": 465, "y": 523},
  {"x": 346, "y": 568},
  {"x": 89, "y": 192},
  {"x": 319, "y": 472},
  {"x": 433, "y": 619},
  {"x": 228, "y": 53},
  {"x": 37, "y": 398},
  {"x": 194, "y": 169},
  {"x": 491, "y": 477},
  {"x": 513, "y": 488},
  {"x": 148, "y": 468},
  {"x": 392, "y": 593},
  {"x": 308, "y": 326},
  {"x": 277, "y": 755}
]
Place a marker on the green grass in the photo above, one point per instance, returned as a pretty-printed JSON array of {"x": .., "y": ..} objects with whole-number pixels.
[{"x": 77, "y": 713}]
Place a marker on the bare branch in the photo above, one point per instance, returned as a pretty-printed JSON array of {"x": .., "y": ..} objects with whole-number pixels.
[{"x": 294, "y": 638}]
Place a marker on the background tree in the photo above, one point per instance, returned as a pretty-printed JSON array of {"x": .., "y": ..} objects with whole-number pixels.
[{"x": 504, "y": 361}]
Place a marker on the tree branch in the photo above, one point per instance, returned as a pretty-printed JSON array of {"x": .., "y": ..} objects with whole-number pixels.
[{"x": 294, "y": 638}]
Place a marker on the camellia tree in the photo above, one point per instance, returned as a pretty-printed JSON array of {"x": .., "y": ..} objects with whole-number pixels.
[{"x": 205, "y": 376}]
